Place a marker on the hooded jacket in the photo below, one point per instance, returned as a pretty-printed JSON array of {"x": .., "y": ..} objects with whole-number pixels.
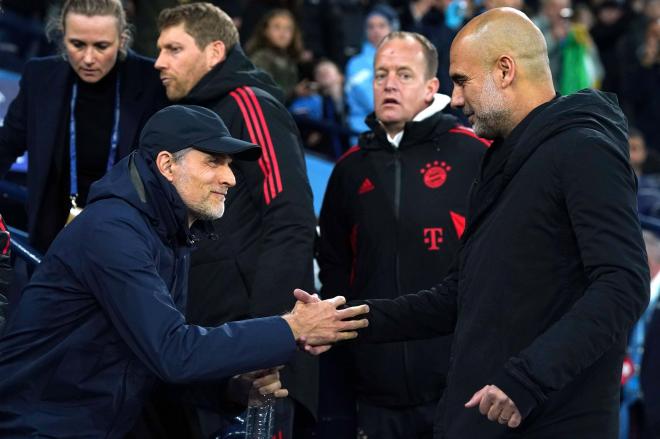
[
  {"x": 266, "y": 237},
  {"x": 101, "y": 319},
  {"x": 390, "y": 225},
  {"x": 552, "y": 275}
]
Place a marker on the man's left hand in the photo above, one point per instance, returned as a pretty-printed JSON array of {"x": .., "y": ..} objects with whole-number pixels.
[
  {"x": 494, "y": 403},
  {"x": 267, "y": 381}
]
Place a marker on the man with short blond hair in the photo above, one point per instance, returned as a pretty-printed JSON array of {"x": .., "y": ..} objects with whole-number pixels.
[
  {"x": 266, "y": 239},
  {"x": 203, "y": 21}
]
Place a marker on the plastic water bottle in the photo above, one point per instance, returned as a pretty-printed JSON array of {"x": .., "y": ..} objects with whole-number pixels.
[{"x": 259, "y": 420}]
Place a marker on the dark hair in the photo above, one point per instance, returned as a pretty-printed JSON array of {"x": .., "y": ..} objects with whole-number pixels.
[
  {"x": 56, "y": 24},
  {"x": 428, "y": 49},
  {"x": 203, "y": 21},
  {"x": 258, "y": 40},
  {"x": 388, "y": 13}
]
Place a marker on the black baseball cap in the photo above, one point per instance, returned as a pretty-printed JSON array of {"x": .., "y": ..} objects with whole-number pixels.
[{"x": 179, "y": 127}]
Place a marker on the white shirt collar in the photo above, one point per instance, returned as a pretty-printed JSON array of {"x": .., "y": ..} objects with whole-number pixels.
[{"x": 440, "y": 101}]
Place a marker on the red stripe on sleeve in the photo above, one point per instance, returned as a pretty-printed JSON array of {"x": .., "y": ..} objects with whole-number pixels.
[
  {"x": 246, "y": 118},
  {"x": 264, "y": 161},
  {"x": 253, "y": 139},
  {"x": 269, "y": 142},
  {"x": 3, "y": 229},
  {"x": 348, "y": 152},
  {"x": 458, "y": 129},
  {"x": 5, "y": 250},
  {"x": 270, "y": 186}
]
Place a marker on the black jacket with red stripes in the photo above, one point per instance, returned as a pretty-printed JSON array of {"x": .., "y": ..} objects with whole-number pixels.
[
  {"x": 264, "y": 247},
  {"x": 390, "y": 224}
]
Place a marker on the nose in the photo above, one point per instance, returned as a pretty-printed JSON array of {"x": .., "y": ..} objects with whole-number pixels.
[
  {"x": 226, "y": 176},
  {"x": 457, "y": 100},
  {"x": 160, "y": 63},
  {"x": 390, "y": 82},
  {"x": 88, "y": 56}
]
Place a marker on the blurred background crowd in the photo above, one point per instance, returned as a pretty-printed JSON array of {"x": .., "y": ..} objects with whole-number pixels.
[{"x": 320, "y": 52}]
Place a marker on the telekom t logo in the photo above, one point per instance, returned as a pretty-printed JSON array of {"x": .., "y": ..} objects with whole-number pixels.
[{"x": 433, "y": 237}]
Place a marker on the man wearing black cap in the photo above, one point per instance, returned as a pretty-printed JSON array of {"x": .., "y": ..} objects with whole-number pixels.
[{"x": 101, "y": 320}]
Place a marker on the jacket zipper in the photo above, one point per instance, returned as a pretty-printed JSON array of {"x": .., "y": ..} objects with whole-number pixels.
[{"x": 397, "y": 271}]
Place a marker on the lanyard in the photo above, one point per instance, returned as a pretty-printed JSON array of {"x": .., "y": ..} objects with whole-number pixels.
[{"x": 114, "y": 139}]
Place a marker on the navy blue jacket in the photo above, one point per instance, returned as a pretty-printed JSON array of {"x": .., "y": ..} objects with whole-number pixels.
[
  {"x": 102, "y": 319},
  {"x": 35, "y": 120}
]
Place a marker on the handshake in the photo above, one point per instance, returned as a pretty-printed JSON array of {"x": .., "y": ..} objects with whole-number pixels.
[{"x": 317, "y": 324}]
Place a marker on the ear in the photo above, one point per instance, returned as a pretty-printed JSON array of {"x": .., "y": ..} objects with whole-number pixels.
[
  {"x": 432, "y": 86},
  {"x": 123, "y": 40},
  {"x": 505, "y": 69},
  {"x": 216, "y": 52},
  {"x": 164, "y": 164}
]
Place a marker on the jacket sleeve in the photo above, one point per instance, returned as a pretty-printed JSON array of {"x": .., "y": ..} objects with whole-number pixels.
[
  {"x": 13, "y": 132},
  {"x": 598, "y": 188},
  {"x": 418, "y": 316},
  {"x": 119, "y": 269},
  {"x": 337, "y": 243},
  {"x": 281, "y": 192}
]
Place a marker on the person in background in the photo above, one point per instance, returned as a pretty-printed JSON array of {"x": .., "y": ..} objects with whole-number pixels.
[
  {"x": 649, "y": 377},
  {"x": 321, "y": 116},
  {"x": 392, "y": 218},
  {"x": 643, "y": 160},
  {"x": 266, "y": 241},
  {"x": 612, "y": 20},
  {"x": 639, "y": 57},
  {"x": 635, "y": 411},
  {"x": 428, "y": 17},
  {"x": 380, "y": 21},
  {"x": 276, "y": 47},
  {"x": 77, "y": 113},
  {"x": 574, "y": 59}
]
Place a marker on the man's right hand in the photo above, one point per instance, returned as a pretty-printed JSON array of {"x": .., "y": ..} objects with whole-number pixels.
[{"x": 319, "y": 322}]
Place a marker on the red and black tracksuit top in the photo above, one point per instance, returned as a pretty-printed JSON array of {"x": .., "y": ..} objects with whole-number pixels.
[
  {"x": 390, "y": 223},
  {"x": 265, "y": 244}
]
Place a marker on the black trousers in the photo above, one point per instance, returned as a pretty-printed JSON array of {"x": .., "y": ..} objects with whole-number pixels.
[{"x": 414, "y": 422}]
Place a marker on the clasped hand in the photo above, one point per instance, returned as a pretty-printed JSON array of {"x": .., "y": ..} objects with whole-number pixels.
[{"x": 316, "y": 323}]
